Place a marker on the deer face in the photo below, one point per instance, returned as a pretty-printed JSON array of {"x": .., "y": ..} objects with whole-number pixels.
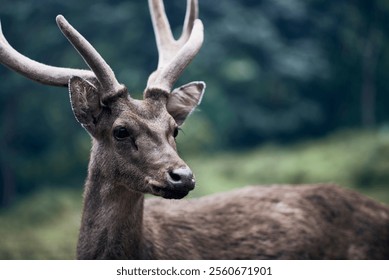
[{"x": 135, "y": 139}]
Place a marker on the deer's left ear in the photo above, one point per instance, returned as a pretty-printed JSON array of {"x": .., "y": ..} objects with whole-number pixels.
[{"x": 183, "y": 100}]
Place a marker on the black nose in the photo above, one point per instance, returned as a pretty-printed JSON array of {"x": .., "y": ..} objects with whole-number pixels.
[{"x": 181, "y": 177}]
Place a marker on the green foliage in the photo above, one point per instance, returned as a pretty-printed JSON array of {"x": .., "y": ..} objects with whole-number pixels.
[
  {"x": 374, "y": 167},
  {"x": 351, "y": 159},
  {"x": 42, "y": 226}
]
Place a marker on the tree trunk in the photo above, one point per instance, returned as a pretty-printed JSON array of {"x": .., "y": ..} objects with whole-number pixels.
[
  {"x": 7, "y": 177},
  {"x": 370, "y": 55}
]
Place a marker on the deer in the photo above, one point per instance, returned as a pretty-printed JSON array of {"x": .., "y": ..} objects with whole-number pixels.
[{"x": 134, "y": 153}]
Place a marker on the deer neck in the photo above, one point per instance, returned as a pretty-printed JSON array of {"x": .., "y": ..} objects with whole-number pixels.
[{"x": 111, "y": 225}]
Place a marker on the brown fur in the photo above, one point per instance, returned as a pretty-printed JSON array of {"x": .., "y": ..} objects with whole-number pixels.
[{"x": 276, "y": 222}]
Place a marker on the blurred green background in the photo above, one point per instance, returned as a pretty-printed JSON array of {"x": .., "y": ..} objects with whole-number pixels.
[{"x": 297, "y": 92}]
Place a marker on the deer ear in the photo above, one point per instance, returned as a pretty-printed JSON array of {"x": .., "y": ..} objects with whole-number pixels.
[
  {"x": 183, "y": 100},
  {"x": 85, "y": 102}
]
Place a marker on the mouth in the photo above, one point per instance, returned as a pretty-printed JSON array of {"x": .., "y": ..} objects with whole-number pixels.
[{"x": 169, "y": 192}]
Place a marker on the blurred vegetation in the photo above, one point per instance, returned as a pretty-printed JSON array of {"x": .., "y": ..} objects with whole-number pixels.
[
  {"x": 41, "y": 226},
  {"x": 45, "y": 225},
  {"x": 358, "y": 160},
  {"x": 296, "y": 92}
]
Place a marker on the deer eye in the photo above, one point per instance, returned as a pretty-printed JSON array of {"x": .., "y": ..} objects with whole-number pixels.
[{"x": 121, "y": 133}]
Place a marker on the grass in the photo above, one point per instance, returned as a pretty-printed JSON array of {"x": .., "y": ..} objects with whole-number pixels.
[
  {"x": 45, "y": 225},
  {"x": 42, "y": 226}
]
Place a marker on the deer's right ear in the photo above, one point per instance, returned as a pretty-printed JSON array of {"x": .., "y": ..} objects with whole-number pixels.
[{"x": 85, "y": 102}]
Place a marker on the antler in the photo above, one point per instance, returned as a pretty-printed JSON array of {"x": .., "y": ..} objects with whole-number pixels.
[
  {"x": 36, "y": 71},
  {"x": 59, "y": 76},
  {"x": 96, "y": 63},
  {"x": 174, "y": 55}
]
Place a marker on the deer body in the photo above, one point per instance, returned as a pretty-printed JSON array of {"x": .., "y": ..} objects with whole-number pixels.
[
  {"x": 272, "y": 222},
  {"x": 134, "y": 153},
  {"x": 279, "y": 222}
]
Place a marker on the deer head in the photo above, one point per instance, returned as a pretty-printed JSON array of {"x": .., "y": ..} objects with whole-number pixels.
[{"x": 133, "y": 140}]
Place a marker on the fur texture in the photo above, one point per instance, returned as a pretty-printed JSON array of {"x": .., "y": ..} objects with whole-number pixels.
[{"x": 278, "y": 222}]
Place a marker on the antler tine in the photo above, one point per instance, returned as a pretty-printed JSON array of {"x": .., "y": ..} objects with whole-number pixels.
[
  {"x": 174, "y": 55},
  {"x": 2, "y": 38},
  {"x": 96, "y": 63},
  {"x": 169, "y": 74},
  {"x": 192, "y": 13},
  {"x": 36, "y": 71},
  {"x": 162, "y": 30}
]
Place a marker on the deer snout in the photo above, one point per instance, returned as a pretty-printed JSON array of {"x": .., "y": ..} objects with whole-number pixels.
[
  {"x": 181, "y": 178},
  {"x": 179, "y": 182}
]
